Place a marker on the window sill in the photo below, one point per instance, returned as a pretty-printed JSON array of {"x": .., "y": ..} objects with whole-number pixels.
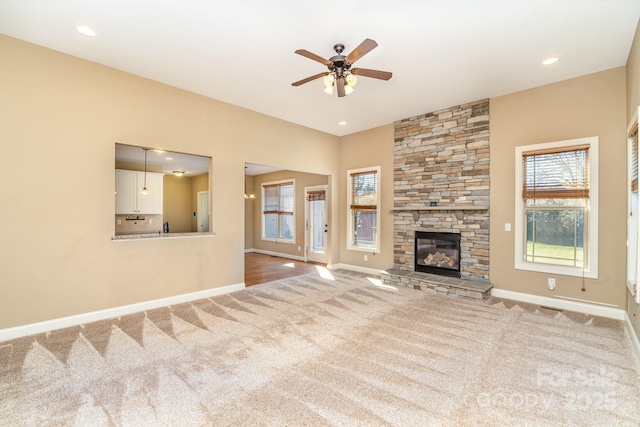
[
  {"x": 363, "y": 249},
  {"x": 288, "y": 242},
  {"x": 557, "y": 270}
]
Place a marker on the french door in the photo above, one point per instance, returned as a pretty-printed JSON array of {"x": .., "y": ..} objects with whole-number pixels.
[{"x": 316, "y": 224}]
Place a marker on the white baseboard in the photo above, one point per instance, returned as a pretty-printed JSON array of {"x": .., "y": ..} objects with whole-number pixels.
[
  {"x": 81, "y": 319},
  {"x": 632, "y": 335},
  {"x": 278, "y": 254},
  {"x": 357, "y": 268},
  {"x": 580, "y": 307}
]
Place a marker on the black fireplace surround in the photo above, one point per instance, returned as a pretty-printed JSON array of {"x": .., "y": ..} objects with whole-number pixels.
[{"x": 437, "y": 253}]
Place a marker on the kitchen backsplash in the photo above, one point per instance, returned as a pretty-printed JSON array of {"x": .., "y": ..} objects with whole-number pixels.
[{"x": 150, "y": 224}]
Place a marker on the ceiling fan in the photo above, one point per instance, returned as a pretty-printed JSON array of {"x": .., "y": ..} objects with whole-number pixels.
[{"x": 340, "y": 73}]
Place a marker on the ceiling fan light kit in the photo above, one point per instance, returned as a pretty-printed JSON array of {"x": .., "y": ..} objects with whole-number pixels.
[{"x": 340, "y": 74}]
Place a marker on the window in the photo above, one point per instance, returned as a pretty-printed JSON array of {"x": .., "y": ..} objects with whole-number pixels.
[
  {"x": 278, "y": 219},
  {"x": 556, "y": 207},
  {"x": 363, "y": 202},
  {"x": 633, "y": 219}
]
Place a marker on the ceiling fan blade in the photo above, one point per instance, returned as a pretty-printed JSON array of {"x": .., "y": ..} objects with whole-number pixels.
[
  {"x": 340, "y": 86},
  {"x": 382, "y": 75},
  {"x": 308, "y": 79},
  {"x": 365, "y": 47},
  {"x": 313, "y": 56}
]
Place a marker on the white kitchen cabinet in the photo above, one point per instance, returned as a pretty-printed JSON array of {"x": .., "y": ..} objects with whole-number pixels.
[{"x": 129, "y": 201}]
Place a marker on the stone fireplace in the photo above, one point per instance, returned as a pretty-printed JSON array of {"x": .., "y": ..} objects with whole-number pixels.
[{"x": 441, "y": 185}]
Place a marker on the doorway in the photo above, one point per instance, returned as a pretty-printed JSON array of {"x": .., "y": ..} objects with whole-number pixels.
[
  {"x": 203, "y": 211},
  {"x": 316, "y": 224}
]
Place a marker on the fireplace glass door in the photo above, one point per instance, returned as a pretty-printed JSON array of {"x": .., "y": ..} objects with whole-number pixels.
[{"x": 437, "y": 253}]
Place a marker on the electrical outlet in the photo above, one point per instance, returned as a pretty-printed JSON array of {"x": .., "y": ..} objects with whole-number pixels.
[
  {"x": 150, "y": 221},
  {"x": 507, "y": 226},
  {"x": 119, "y": 222},
  {"x": 551, "y": 282},
  {"x": 366, "y": 258}
]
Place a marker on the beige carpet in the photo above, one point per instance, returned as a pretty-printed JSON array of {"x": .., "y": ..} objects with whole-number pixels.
[{"x": 315, "y": 351}]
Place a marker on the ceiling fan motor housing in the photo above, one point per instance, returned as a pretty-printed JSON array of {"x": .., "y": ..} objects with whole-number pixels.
[{"x": 338, "y": 64}]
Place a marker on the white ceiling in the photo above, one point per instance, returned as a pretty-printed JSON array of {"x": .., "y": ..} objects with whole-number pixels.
[
  {"x": 170, "y": 161},
  {"x": 441, "y": 52},
  {"x": 253, "y": 169}
]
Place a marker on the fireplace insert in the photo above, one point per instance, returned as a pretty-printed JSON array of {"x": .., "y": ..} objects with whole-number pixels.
[{"x": 437, "y": 253}]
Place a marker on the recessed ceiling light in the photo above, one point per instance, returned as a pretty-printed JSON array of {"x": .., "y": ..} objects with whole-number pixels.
[
  {"x": 551, "y": 60},
  {"x": 86, "y": 31},
  {"x": 342, "y": 123},
  {"x": 168, "y": 158}
]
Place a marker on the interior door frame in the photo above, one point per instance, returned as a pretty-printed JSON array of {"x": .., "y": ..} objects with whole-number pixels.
[
  {"x": 199, "y": 210},
  {"x": 324, "y": 187}
]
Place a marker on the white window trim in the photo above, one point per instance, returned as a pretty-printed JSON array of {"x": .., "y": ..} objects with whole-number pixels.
[
  {"x": 591, "y": 271},
  {"x": 277, "y": 240},
  {"x": 350, "y": 245},
  {"x": 633, "y": 220}
]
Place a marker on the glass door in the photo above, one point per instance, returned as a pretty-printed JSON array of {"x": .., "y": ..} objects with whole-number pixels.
[{"x": 316, "y": 225}]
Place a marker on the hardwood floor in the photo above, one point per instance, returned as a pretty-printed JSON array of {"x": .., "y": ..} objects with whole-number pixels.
[{"x": 260, "y": 268}]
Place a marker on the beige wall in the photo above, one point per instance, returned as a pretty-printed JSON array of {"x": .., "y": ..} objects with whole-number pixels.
[
  {"x": 373, "y": 147},
  {"x": 177, "y": 202},
  {"x": 633, "y": 102},
  {"x": 633, "y": 77},
  {"x": 302, "y": 180},
  {"x": 593, "y": 105},
  {"x": 59, "y": 118}
]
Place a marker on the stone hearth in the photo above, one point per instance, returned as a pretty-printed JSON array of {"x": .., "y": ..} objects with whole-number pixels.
[{"x": 439, "y": 284}]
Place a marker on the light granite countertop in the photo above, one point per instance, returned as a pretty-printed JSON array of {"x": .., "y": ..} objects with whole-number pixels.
[{"x": 156, "y": 236}]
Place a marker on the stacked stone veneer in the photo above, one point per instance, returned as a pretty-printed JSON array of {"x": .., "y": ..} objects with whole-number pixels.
[{"x": 443, "y": 157}]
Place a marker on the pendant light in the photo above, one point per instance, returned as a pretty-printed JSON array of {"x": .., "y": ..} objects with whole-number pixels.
[
  {"x": 247, "y": 196},
  {"x": 245, "y": 183},
  {"x": 144, "y": 191}
]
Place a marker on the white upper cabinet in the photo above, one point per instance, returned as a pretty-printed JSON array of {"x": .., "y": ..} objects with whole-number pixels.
[{"x": 129, "y": 184}]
